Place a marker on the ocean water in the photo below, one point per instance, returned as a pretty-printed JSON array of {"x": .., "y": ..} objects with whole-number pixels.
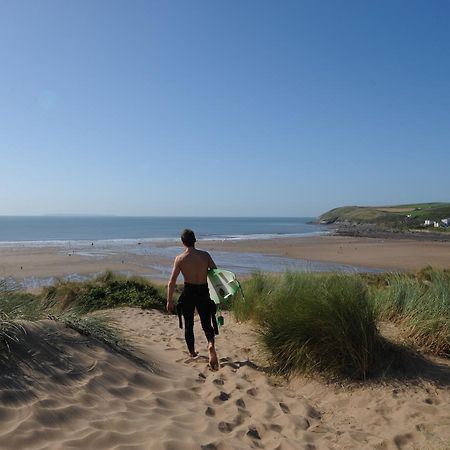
[
  {"x": 46, "y": 229},
  {"x": 128, "y": 237}
]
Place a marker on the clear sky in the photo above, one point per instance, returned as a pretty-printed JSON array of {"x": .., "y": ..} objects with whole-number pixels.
[{"x": 237, "y": 107}]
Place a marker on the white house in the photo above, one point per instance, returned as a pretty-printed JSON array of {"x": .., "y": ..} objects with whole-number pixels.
[
  {"x": 446, "y": 222},
  {"x": 436, "y": 225},
  {"x": 428, "y": 222}
]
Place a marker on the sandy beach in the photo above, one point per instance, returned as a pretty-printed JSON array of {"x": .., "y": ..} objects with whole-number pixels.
[
  {"x": 22, "y": 261},
  {"x": 389, "y": 254},
  {"x": 76, "y": 393}
]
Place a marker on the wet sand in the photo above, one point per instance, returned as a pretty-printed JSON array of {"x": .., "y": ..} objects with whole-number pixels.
[
  {"x": 389, "y": 254},
  {"x": 23, "y": 261}
]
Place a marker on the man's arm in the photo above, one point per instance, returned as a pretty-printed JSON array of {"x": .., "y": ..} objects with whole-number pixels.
[
  {"x": 211, "y": 263},
  {"x": 171, "y": 285}
]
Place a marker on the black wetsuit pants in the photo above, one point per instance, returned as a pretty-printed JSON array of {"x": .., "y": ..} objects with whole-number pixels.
[{"x": 196, "y": 296}]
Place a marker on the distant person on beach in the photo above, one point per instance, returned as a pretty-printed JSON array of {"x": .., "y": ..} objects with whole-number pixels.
[{"x": 194, "y": 265}]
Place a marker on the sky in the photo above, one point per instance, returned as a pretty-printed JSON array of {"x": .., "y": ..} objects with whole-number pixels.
[{"x": 222, "y": 108}]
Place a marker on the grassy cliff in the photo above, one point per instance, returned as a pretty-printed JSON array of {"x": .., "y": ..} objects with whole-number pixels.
[{"x": 404, "y": 216}]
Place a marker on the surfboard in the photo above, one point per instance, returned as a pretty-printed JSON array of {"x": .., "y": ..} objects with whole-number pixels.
[{"x": 222, "y": 285}]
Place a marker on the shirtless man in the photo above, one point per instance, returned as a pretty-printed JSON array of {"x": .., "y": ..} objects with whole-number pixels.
[{"x": 194, "y": 265}]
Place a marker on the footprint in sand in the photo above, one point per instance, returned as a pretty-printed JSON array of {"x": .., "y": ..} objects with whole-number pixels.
[
  {"x": 276, "y": 428},
  {"x": 222, "y": 397},
  {"x": 401, "y": 440},
  {"x": 201, "y": 378},
  {"x": 253, "y": 433},
  {"x": 208, "y": 447},
  {"x": 313, "y": 413},
  {"x": 252, "y": 392},
  {"x": 432, "y": 401},
  {"x": 225, "y": 427},
  {"x": 284, "y": 408}
]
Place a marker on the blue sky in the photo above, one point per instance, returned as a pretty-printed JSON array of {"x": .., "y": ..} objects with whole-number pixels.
[{"x": 254, "y": 108}]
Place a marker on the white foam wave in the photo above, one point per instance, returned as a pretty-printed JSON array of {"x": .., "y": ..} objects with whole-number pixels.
[{"x": 67, "y": 244}]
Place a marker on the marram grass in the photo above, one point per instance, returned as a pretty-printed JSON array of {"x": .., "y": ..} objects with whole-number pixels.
[
  {"x": 328, "y": 323},
  {"x": 68, "y": 302},
  {"x": 108, "y": 290},
  {"x": 420, "y": 305},
  {"x": 311, "y": 323},
  {"x": 10, "y": 329}
]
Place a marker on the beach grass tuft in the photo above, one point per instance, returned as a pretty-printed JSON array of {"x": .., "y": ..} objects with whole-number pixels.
[
  {"x": 420, "y": 305},
  {"x": 108, "y": 290},
  {"x": 68, "y": 303},
  {"x": 314, "y": 323},
  {"x": 10, "y": 330}
]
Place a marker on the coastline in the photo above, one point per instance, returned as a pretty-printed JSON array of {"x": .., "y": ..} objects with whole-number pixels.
[
  {"x": 374, "y": 231},
  {"x": 377, "y": 253},
  {"x": 154, "y": 260}
]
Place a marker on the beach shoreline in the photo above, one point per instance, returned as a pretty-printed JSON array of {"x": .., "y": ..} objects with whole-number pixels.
[
  {"x": 154, "y": 260},
  {"x": 376, "y": 231},
  {"x": 377, "y": 253}
]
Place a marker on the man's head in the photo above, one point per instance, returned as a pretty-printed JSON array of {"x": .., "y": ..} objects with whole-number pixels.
[{"x": 188, "y": 237}]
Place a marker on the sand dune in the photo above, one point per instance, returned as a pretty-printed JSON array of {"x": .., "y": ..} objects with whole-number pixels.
[{"x": 68, "y": 391}]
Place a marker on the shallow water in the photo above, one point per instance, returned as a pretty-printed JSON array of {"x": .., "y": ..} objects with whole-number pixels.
[{"x": 242, "y": 263}]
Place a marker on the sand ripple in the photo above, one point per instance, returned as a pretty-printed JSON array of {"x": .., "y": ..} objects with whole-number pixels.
[{"x": 70, "y": 392}]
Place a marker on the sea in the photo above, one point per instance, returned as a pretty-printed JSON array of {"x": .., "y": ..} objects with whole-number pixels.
[
  {"x": 105, "y": 237},
  {"x": 45, "y": 230}
]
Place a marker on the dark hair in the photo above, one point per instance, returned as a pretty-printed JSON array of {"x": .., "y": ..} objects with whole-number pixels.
[{"x": 188, "y": 237}]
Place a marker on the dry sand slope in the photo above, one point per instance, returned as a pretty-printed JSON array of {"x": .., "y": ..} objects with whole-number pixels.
[{"x": 75, "y": 393}]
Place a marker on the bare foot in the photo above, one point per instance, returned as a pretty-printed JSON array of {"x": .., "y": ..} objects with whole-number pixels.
[{"x": 213, "y": 361}]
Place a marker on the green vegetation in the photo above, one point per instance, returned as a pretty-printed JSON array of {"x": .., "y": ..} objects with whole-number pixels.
[
  {"x": 108, "y": 290},
  {"x": 329, "y": 323},
  {"x": 11, "y": 309},
  {"x": 393, "y": 216},
  {"x": 311, "y": 322},
  {"x": 70, "y": 303},
  {"x": 420, "y": 305}
]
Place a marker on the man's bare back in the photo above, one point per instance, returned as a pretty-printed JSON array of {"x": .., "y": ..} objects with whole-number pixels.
[{"x": 194, "y": 265}]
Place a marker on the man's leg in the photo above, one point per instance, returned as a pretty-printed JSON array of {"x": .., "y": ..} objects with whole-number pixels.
[
  {"x": 204, "y": 311},
  {"x": 188, "y": 315}
]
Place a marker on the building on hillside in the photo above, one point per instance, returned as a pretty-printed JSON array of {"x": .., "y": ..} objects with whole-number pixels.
[
  {"x": 445, "y": 222},
  {"x": 436, "y": 224},
  {"x": 428, "y": 222}
]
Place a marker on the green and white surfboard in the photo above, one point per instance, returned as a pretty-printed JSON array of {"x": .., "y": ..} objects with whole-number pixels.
[{"x": 222, "y": 285}]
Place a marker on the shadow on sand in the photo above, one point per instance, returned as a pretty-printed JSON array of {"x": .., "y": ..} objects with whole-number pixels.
[{"x": 52, "y": 351}]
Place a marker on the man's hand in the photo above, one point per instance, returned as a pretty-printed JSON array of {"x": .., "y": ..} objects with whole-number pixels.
[{"x": 169, "y": 306}]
